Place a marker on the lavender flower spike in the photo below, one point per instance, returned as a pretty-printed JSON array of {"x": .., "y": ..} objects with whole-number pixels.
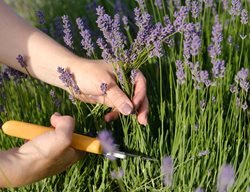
[
  {"x": 41, "y": 18},
  {"x": 180, "y": 73},
  {"x": 167, "y": 170},
  {"x": 107, "y": 143},
  {"x": 104, "y": 87},
  {"x": 241, "y": 78},
  {"x": 244, "y": 16},
  {"x": 215, "y": 48},
  {"x": 235, "y": 8},
  {"x": 225, "y": 178},
  {"x": 67, "y": 31},
  {"x": 67, "y": 78},
  {"x": 21, "y": 61},
  {"x": 158, "y": 3},
  {"x": 86, "y": 41}
]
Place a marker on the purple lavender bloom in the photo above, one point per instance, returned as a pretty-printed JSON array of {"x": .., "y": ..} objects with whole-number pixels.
[
  {"x": 157, "y": 50},
  {"x": 225, "y": 4},
  {"x": 118, "y": 174},
  {"x": 55, "y": 100},
  {"x": 244, "y": 16},
  {"x": 141, "y": 3},
  {"x": 202, "y": 105},
  {"x": 86, "y": 41},
  {"x": 41, "y": 17},
  {"x": 15, "y": 74},
  {"x": 199, "y": 189},
  {"x": 125, "y": 22},
  {"x": 217, "y": 37},
  {"x": 58, "y": 28},
  {"x": 111, "y": 31},
  {"x": 235, "y": 8},
  {"x": 233, "y": 89},
  {"x": 177, "y": 4},
  {"x": 238, "y": 102},
  {"x": 133, "y": 74},
  {"x": 203, "y": 153},
  {"x": 106, "y": 52},
  {"x": 21, "y": 61},
  {"x": 52, "y": 93},
  {"x": 180, "y": 73},
  {"x": 195, "y": 9},
  {"x": 169, "y": 26},
  {"x": 208, "y": 3},
  {"x": 230, "y": 40},
  {"x": 204, "y": 78},
  {"x": 195, "y": 44},
  {"x": 68, "y": 80},
  {"x": 67, "y": 31},
  {"x": 225, "y": 178},
  {"x": 72, "y": 99},
  {"x": 180, "y": 16},
  {"x": 158, "y": 3},
  {"x": 214, "y": 100},
  {"x": 241, "y": 78},
  {"x": 104, "y": 88},
  {"x": 218, "y": 68},
  {"x": 167, "y": 170},
  {"x": 244, "y": 106},
  {"x": 188, "y": 34},
  {"x": 107, "y": 143}
]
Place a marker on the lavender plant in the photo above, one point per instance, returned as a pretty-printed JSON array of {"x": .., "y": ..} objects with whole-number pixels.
[{"x": 194, "y": 55}]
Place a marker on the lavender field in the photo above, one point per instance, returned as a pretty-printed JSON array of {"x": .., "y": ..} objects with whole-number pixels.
[{"x": 195, "y": 57}]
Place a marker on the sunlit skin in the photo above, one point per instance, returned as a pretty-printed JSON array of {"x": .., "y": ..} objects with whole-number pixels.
[{"x": 43, "y": 55}]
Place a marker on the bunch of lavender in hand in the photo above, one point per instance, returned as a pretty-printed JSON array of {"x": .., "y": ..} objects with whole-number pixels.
[{"x": 127, "y": 59}]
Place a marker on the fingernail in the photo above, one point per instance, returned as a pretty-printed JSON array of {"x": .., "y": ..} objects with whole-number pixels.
[
  {"x": 57, "y": 114},
  {"x": 126, "y": 109}
]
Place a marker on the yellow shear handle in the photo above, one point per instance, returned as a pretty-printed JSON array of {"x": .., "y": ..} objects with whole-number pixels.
[{"x": 29, "y": 131}]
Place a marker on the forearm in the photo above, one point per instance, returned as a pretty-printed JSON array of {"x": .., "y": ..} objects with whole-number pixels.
[
  {"x": 10, "y": 168},
  {"x": 42, "y": 54}
]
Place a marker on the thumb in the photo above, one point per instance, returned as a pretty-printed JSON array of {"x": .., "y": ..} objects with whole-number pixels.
[{"x": 120, "y": 100}]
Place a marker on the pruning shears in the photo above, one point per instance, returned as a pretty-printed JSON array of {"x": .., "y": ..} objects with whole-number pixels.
[{"x": 85, "y": 143}]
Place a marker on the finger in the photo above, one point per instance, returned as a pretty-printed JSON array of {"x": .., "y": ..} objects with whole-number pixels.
[
  {"x": 111, "y": 116},
  {"x": 139, "y": 90},
  {"x": 64, "y": 127},
  {"x": 120, "y": 101},
  {"x": 143, "y": 112}
]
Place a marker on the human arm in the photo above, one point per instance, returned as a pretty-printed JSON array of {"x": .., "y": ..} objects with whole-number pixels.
[{"x": 43, "y": 55}]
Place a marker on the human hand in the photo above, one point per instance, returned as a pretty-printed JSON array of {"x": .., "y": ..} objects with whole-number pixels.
[
  {"x": 44, "y": 156},
  {"x": 90, "y": 74}
]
